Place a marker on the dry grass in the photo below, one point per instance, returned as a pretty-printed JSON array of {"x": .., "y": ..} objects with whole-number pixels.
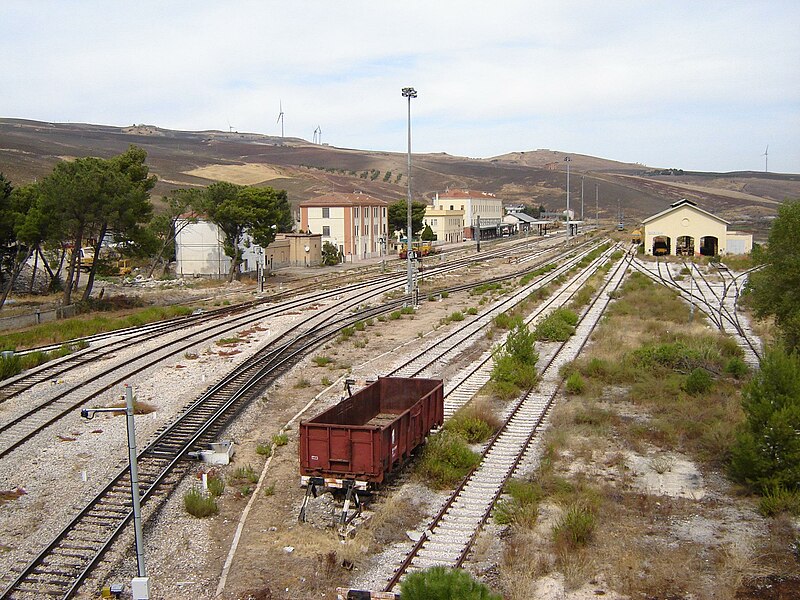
[{"x": 645, "y": 546}]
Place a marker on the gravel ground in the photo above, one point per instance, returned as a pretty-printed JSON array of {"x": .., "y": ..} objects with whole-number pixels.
[{"x": 72, "y": 460}]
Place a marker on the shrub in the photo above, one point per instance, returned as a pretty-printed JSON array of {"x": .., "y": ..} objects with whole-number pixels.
[
  {"x": 456, "y": 316},
  {"x": 506, "y": 321},
  {"x": 302, "y": 383},
  {"x": 575, "y": 384},
  {"x": 699, "y": 381},
  {"x": 199, "y": 504},
  {"x": 246, "y": 473},
  {"x": 522, "y": 507},
  {"x": 767, "y": 450},
  {"x": 346, "y": 333},
  {"x": 280, "y": 439},
  {"x": 777, "y": 499},
  {"x": 321, "y": 361},
  {"x": 216, "y": 485},
  {"x": 736, "y": 367},
  {"x": 264, "y": 450},
  {"x": 10, "y": 366},
  {"x": 474, "y": 422},
  {"x": 558, "y": 326},
  {"x": 515, "y": 364},
  {"x": 441, "y": 583},
  {"x": 446, "y": 460},
  {"x": 394, "y": 315},
  {"x": 445, "y": 295},
  {"x": 472, "y": 310},
  {"x": 575, "y": 527}
]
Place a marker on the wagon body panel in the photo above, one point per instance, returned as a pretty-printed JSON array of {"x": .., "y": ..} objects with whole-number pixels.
[{"x": 373, "y": 432}]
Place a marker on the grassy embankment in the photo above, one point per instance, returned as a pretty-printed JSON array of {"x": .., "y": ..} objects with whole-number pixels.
[{"x": 652, "y": 389}]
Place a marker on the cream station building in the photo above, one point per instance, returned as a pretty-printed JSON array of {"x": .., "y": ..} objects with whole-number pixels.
[{"x": 684, "y": 229}]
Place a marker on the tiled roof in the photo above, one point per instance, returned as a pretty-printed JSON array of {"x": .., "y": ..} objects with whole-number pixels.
[{"x": 343, "y": 199}]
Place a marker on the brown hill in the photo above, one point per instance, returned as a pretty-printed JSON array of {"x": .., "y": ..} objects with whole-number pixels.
[{"x": 30, "y": 149}]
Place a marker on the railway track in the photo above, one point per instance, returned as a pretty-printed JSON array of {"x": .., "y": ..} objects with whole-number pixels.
[
  {"x": 59, "y": 569},
  {"x": 717, "y": 302},
  {"x": 102, "y": 345},
  {"x": 448, "y": 538},
  {"x": 33, "y": 418}
]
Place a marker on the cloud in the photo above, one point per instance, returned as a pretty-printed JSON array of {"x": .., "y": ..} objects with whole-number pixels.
[{"x": 694, "y": 85}]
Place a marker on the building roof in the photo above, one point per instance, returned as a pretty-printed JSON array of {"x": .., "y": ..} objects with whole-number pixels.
[
  {"x": 681, "y": 204},
  {"x": 344, "y": 199},
  {"x": 459, "y": 193}
]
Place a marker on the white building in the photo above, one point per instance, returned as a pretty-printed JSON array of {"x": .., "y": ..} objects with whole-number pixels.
[
  {"x": 199, "y": 250},
  {"x": 478, "y": 207}
]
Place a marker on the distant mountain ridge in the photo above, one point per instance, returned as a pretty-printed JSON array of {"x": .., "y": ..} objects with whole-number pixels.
[{"x": 29, "y": 150}]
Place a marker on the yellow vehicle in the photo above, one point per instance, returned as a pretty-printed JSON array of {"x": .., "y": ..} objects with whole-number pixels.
[
  {"x": 420, "y": 249},
  {"x": 86, "y": 258},
  {"x": 124, "y": 266},
  {"x": 636, "y": 236}
]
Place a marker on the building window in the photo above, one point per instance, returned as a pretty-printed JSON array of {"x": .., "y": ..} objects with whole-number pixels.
[
  {"x": 356, "y": 231},
  {"x": 355, "y": 212},
  {"x": 384, "y": 212},
  {"x": 374, "y": 212},
  {"x": 326, "y": 231},
  {"x": 326, "y": 213}
]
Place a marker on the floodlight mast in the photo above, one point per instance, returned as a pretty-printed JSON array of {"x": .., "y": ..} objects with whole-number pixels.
[{"x": 409, "y": 92}]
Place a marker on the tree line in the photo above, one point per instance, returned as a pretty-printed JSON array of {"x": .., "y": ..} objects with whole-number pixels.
[{"x": 83, "y": 202}]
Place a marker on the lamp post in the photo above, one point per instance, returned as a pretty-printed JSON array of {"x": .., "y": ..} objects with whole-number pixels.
[
  {"x": 140, "y": 585},
  {"x": 568, "y": 160},
  {"x": 409, "y": 92},
  {"x": 478, "y": 233}
]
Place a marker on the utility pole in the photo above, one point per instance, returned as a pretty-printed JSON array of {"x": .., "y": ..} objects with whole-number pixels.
[
  {"x": 409, "y": 93},
  {"x": 596, "y": 206},
  {"x": 567, "y": 159},
  {"x": 582, "y": 197}
]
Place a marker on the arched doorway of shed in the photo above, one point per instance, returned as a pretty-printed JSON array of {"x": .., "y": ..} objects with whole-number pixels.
[
  {"x": 662, "y": 245},
  {"x": 684, "y": 246},
  {"x": 709, "y": 246}
]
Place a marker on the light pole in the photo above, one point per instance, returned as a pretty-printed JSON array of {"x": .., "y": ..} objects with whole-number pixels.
[
  {"x": 409, "y": 93},
  {"x": 478, "y": 233},
  {"x": 568, "y": 160},
  {"x": 140, "y": 585}
]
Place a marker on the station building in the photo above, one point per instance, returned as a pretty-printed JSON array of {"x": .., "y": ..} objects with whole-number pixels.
[
  {"x": 355, "y": 223},
  {"x": 483, "y": 212},
  {"x": 446, "y": 224},
  {"x": 684, "y": 229}
]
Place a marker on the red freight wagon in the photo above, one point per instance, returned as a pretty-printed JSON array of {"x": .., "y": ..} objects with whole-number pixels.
[{"x": 371, "y": 434}]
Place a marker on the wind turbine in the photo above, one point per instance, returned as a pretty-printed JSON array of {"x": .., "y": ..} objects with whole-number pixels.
[
  {"x": 318, "y": 135},
  {"x": 280, "y": 116},
  {"x": 230, "y": 127},
  {"x": 766, "y": 158}
]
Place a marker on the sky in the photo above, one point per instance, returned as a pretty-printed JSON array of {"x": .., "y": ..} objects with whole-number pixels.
[{"x": 696, "y": 85}]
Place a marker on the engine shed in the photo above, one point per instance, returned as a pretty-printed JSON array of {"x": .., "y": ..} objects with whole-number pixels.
[{"x": 684, "y": 229}]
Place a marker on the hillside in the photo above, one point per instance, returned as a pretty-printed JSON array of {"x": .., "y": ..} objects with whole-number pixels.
[{"x": 30, "y": 149}]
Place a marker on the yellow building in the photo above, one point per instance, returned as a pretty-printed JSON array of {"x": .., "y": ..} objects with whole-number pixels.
[
  {"x": 447, "y": 225},
  {"x": 684, "y": 229}
]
